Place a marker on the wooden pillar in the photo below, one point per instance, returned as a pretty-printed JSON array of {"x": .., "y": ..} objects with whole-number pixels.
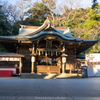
[
  {"x": 63, "y": 68},
  {"x": 63, "y": 61},
  {"x": 20, "y": 66},
  {"x": 63, "y": 48},
  {"x": 75, "y": 58},
  {"x": 32, "y": 67},
  {"x": 32, "y": 59},
  {"x": 17, "y": 49},
  {"x": 33, "y": 49}
]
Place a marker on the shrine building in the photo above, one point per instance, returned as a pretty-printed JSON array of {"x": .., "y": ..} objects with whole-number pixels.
[{"x": 44, "y": 49}]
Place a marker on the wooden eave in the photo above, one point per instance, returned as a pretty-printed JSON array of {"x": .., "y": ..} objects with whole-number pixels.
[
  {"x": 84, "y": 46},
  {"x": 5, "y": 54},
  {"x": 7, "y": 40}
]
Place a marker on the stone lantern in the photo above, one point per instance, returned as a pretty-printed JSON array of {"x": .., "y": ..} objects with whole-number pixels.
[
  {"x": 63, "y": 62},
  {"x": 32, "y": 61}
]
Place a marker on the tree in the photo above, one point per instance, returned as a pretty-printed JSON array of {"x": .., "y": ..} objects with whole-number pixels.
[
  {"x": 95, "y": 2},
  {"x": 4, "y": 24},
  {"x": 71, "y": 6},
  {"x": 51, "y": 4},
  {"x": 68, "y": 10},
  {"x": 23, "y": 6},
  {"x": 9, "y": 14},
  {"x": 38, "y": 11}
]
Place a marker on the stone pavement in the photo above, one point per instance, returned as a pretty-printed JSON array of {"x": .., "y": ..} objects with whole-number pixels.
[
  {"x": 49, "y": 76},
  {"x": 49, "y": 89}
]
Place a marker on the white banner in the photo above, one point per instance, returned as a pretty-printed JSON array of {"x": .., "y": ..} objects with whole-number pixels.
[{"x": 9, "y": 59}]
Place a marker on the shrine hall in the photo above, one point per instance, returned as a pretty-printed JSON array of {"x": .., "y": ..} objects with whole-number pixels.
[{"x": 44, "y": 49}]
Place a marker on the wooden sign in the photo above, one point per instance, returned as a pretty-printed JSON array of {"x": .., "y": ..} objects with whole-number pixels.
[{"x": 24, "y": 41}]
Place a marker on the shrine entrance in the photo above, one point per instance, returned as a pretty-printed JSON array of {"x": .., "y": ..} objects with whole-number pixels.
[{"x": 49, "y": 55}]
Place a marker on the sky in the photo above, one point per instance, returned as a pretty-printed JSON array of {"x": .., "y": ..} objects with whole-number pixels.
[{"x": 85, "y": 3}]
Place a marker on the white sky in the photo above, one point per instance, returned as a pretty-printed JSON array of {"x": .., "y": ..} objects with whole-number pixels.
[{"x": 85, "y": 3}]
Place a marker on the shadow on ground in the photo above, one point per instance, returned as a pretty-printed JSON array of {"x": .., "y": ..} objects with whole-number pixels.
[{"x": 48, "y": 76}]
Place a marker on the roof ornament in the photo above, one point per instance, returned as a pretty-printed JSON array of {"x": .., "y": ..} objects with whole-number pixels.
[
  {"x": 68, "y": 28},
  {"x": 22, "y": 26},
  {"x": 48, "y": 22}
]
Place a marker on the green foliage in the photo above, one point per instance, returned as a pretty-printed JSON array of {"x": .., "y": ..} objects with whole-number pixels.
[
  {"x": 37, "y": 22},
  {"x": 2, "y": 49},
  {"x": 37, "y": 14},
  {"x": 84, "y": 35},
  {"x": 4, "y": 24},
  {"x": 95, "y": 48},
  {"x": 94, "y": 13},
  {"x": 77, "y": 15},
  {"x": 86, "y": 25},
  {"x": 72, "y": 23},
  {"x": 38, "y": 11},
  {"x": 15, "y": 30},
  {"x": 89, "y": 24},
  {"x": 69, "y": 23},
  {"x": 4, "y": 29},
  {"x": 1, "y": 32}
]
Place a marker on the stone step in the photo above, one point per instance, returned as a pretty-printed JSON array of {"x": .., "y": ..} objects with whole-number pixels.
[{"x": 48, "y": 76}]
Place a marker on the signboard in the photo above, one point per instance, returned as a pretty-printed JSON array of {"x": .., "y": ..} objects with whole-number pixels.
[
  {"x": 93, "y": 64},
  {"x": 92, "y": 60},
  {"x": 9, "y": 59}
]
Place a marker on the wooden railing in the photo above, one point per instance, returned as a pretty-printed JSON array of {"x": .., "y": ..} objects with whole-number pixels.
[{"x": 48, "y": 69}]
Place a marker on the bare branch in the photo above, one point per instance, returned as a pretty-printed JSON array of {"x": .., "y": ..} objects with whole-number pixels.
[{"x": 23, "y": 6}]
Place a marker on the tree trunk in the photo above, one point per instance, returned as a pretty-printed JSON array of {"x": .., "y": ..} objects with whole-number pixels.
[{"x": 53, "y": 18}]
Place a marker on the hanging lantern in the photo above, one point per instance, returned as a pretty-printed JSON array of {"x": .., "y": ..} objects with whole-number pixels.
[
  {"x": 33, "y": 47},
  {"x": 46, "y": 53},
  {"x": 39, "y": 52},
  {"x": 56, "y": 53},
  {"x": 63, "y": 48},
  {"x": 51, "y": 53},
  {"x": 54, "y": 59}
]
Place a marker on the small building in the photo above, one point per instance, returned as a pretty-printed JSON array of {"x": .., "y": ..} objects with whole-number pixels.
[
  {"x": 93, "y": 64},
  {"x": 46, "y": 49}
]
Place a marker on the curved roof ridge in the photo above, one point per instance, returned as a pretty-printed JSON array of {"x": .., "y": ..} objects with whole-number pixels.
[
  {"x": 56, "y": 30},
  {"x": 24, "y": 31},
  {"x": 68, "y": 34},
  {"x": 46, "y": 23}
]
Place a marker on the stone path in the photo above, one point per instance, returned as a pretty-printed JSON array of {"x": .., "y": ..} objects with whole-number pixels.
[{"x": 49, "y": 89}]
